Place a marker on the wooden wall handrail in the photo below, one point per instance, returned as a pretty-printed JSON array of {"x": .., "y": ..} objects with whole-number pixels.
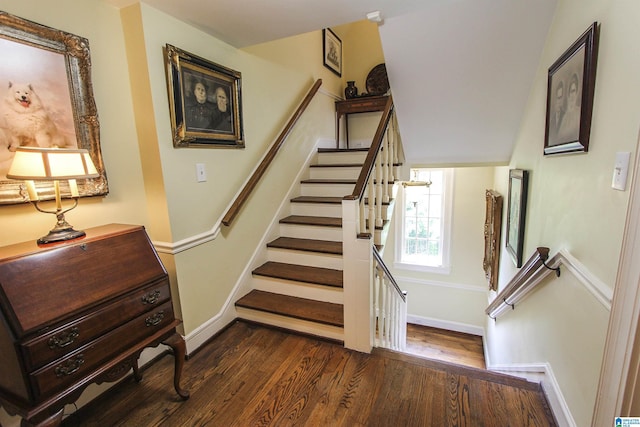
[
  {"x": 361, "y": 184},
  {"x": 520, "y": 284},
  {"x": 242, "y": 197},
  {"x": 387, "y": 273}
]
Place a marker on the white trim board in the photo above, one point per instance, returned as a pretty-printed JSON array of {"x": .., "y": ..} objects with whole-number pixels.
[
  {"x": 459, "y": 286},
  {"x": 446, "y": 324}
]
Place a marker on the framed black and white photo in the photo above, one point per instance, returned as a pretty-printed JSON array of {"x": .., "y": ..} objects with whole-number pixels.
[
  {"x": 204, "y": 101},
  {"x": 47, "y": 102},
  {"x": 516, "y": 213},
  {"x": 570, "y": 90},
  {"x": 332, "y": 51}
]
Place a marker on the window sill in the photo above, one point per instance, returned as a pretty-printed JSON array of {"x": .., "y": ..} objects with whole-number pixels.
[{"x": 444, "y": 270}]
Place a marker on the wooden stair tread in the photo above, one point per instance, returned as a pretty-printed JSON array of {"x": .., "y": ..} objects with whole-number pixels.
[
  {"x": 329, "y": 181},
  {"x": 301, "y": 273},
  {"x": 298, "y": 308},
  {"x": 317, "y": 199},
  {"x": 342, "y": 150},
  {"x": 308, "y": 245},
  {"x": 337, "y": 165},
  {"x": 312, "y": 220}
]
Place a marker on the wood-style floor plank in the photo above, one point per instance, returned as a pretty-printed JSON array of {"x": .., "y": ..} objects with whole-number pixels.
[{"x": 251, "y": 375}]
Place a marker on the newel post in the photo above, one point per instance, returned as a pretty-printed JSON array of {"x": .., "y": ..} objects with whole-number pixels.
[{"x": 357, "y": 267}]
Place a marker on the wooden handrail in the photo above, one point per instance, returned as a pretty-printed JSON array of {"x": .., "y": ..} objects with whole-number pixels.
[
  {"x": 242, "y": 197},
  {"x": 520, "y": 284},
  {"x": 387, "y": 273},
  {"x": 358, "y": 190}
]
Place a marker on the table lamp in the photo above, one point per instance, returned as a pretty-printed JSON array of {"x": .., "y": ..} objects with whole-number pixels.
[{"x": 53, "y": 164}]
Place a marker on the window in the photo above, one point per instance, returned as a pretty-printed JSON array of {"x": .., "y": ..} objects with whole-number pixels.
[{"x": 423, "y": 225}]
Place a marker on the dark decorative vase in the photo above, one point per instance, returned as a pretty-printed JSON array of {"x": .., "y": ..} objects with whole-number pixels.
[{"x": 351, "y": 91}]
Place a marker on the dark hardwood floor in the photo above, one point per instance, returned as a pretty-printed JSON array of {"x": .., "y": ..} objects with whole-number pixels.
[
  {"x": 256, "y": 376},
  {"x": 448, "y": 346}
]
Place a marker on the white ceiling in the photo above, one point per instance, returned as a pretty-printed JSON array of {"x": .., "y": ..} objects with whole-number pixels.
[{"x": 460, "y": 70}]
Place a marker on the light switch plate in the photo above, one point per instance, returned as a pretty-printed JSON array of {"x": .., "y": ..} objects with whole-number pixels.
[
  {"x": 201, "y": 172},
  {"x": 620, "y": 171}
]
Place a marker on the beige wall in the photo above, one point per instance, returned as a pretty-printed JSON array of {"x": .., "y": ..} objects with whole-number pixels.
[
  {"x": 271, "y": 90},
  {"x": 572, "y": 207},
  {"x": 456, "y": 300}
]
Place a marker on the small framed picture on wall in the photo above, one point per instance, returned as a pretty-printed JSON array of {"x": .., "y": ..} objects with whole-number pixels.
[{"x": 516, "y": 213}]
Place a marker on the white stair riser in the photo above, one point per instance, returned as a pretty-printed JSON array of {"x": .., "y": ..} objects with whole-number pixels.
[
  {"x": 341, "y": 158},
  {"x": 311, "y": 232},
  {"x": 298, "y": 289},
  {"x": 313, "y": 259},
  {"x": 335, "y": 173},
  {"x": 327, "y": 331},
  {"x": 316, "y": 209},
  {"x": 326, "y": 190}
]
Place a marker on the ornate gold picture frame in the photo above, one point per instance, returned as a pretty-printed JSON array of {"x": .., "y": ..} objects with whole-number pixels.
[
  {"x": 492, "y": 228},
  {"x": 46, "y": 74},
  {"x": 204, "y": 101}
]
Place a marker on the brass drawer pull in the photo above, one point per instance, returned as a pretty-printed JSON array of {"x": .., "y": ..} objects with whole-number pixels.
[
  {"x": 155, "y": 319},
  {"x": 64, "y": 339},
  {"x": 69, "y": 367},
  {"x": 151, "y": 297}
]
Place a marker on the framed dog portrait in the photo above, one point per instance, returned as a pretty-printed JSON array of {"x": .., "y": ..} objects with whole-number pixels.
[
  {"x": 47, "y": 101},
  {"x": 516, "y": 213},
  {"x": 570, "y": 89},
  {"x": 204, "y": 101}
]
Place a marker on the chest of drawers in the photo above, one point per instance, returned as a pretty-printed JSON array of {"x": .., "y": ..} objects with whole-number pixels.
[{"x": 80, "y": 312}]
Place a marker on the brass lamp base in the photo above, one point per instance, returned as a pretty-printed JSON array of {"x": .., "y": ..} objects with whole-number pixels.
[
  {"x": 60, "y": 236},
  {"x": 63, "y": 231}
]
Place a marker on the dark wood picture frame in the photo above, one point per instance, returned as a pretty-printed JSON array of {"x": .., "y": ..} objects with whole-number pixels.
[
  {"x": 332, "y": 51},
  {"x": 570, "y": 91},
  {"x": 205, "y": 101},
  {"x": 516, "y": 213},
  {"x": 492, "y": 229},
  {"x": 55, "y": 67}
]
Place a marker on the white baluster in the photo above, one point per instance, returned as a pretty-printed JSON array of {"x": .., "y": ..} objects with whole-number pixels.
[
  {"x": 371, "y": 207},
  {"x": 362, "y": 227},
  {"x": 378, "y": 181},
  {"x": 385, "y": 168}
]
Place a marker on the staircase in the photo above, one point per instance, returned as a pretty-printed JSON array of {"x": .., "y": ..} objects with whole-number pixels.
[{"x": 300, "y": 287}]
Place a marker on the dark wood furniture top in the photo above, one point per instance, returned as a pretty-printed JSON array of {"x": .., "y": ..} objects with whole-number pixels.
[
  {"x": 366, "y": 104},
  {"x": 79, "y": 312}
]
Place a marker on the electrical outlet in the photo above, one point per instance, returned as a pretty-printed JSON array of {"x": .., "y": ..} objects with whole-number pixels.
[
  {"x": 201, "y": 172},
  {"x": 620, "y": 171}
]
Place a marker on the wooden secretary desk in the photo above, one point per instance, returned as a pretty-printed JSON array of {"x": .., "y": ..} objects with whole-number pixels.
[{"x": 77, "y": 313}]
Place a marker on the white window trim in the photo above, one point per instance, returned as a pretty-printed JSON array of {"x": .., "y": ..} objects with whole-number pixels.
[{"x": 445, "y": 268}]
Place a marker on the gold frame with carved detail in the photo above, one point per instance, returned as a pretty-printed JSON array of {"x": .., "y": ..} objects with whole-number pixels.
[
  {"x": 75, "y": 54},
  {"x": 492, "y": 227}
]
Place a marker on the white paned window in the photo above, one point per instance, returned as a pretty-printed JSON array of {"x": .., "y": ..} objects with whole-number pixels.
[{"x": 424, "y": 221}]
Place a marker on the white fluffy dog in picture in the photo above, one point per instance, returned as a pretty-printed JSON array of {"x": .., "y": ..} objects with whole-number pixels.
[{"x": 26, "y": 121}]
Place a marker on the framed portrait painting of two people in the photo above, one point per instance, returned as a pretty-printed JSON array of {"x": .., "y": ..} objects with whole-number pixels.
[
  {"x": 570, "y": 91},
  {"x": 204, "y": 101}
]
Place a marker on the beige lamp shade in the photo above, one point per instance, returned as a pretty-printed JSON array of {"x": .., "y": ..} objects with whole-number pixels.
[{"x": 38, "y": 164}]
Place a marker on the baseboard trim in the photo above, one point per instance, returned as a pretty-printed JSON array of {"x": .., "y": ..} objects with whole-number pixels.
[
  {"x": 543, "y": 374},
  {"x": 445, "y": 324}
]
